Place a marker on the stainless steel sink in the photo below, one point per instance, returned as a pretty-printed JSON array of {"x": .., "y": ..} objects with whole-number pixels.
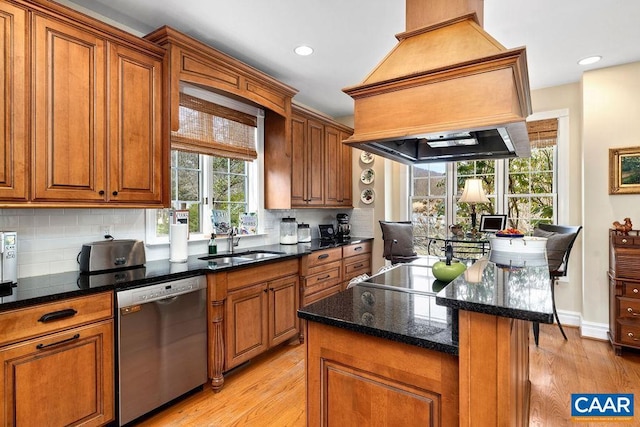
[{"x": 240, "y": 257}]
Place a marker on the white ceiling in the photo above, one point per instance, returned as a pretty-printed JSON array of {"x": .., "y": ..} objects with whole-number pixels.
[{"x": 351, "y": 36}]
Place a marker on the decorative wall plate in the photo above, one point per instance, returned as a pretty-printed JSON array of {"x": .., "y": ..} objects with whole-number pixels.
[
  {"x": 367, "y": 176},
  {"x": 367, "y": 196},
  {"x": 366, "y": 157}
]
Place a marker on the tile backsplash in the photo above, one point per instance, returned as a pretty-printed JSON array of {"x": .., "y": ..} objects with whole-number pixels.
[{"x": 49, "y": 240}]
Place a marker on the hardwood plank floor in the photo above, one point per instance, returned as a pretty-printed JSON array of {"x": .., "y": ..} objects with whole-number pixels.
[{"x": 270, "y": 391}]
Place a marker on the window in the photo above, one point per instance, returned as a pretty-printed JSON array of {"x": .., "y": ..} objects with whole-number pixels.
[
  {"x": 212, "y": 175},
  {"x": 525, "y": 189},
  {"x": 428, "y": 203}
]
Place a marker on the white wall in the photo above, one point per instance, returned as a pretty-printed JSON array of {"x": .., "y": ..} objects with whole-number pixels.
[
  {"x": 611, "y": 114},
  {"x": 49, "y": 240}
]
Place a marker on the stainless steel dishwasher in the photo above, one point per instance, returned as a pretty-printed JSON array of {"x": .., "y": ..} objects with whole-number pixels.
[{"x": 162, "y": 344}]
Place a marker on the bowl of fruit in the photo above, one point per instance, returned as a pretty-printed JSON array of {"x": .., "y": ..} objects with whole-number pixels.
[
  {"x": 510, "y": 232},
  {"x": 514, "y": 240}
]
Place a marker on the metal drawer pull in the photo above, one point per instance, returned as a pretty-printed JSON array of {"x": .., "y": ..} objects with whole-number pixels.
[
  {"x": 323, "y": 277},
  {"x": 357, "y": 248},
  {"x": 630, "y": 310},
  {"x": 358, "y": 266},
  {"x": 73, "y": 338},
  {"x": 624, "y": 240},
  {"x": 57, "y": 315},
  {"x": 635, "y": 290},
  {"x": 323, "y": 256}
]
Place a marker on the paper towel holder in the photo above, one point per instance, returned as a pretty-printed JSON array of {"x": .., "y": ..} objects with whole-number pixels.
[{"x": 178, "y": 238}]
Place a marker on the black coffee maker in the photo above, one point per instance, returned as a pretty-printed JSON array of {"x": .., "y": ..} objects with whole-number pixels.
[{"x": 343, "y": 229}]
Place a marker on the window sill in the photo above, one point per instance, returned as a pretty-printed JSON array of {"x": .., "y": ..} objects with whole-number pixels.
[{"x": 199, "y": 237}]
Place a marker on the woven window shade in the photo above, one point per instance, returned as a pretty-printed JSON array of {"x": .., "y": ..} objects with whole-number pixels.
[
  {"x": 543, "y": 133},
  {"x": 212, "y": 129}
]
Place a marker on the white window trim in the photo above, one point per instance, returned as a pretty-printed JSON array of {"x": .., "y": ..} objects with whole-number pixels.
[
  {"x": 255, "y": 170},
  {"x": 562, "y": 162}
]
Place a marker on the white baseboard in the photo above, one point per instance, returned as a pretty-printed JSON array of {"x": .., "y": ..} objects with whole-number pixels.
[
  {"x": 587, "y": 329},
  {"x": 595, "y": 330}
]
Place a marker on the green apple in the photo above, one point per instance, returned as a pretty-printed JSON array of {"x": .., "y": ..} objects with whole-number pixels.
[{"x": 447, "y": 273}]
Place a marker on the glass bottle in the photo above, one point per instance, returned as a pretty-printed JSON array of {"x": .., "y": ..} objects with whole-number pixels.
[{"x": 213, "y": 248}]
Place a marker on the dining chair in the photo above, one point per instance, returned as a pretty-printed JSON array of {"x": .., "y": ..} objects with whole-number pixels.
[
  {"x": 398, "y": 241},
  {"x": 560, "y": 240}
]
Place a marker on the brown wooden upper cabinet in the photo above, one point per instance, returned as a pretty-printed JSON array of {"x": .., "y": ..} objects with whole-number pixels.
[
  {"x": 96, "y": 120},
  {"x": 320, "y": 163},
  {"x": 13, "y": 107}
]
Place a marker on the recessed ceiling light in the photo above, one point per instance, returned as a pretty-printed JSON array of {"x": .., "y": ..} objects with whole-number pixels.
[
  {"x": 303, "y": 50},
  {"x": 590, "y": 60}
]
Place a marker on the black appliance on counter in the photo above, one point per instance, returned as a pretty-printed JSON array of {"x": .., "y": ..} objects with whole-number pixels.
[{"x": 343, "y": 229}]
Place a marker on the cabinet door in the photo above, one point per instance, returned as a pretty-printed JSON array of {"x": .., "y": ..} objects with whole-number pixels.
[
  {"x": 337, "y": 168},
  {"x": 246, "y": 324},
  {"x": 61, "y": 379},
  {"x": 298, "y": 161},
  {"x": 333, "y": 166},
  {"x": 69, "y": 113},
  {"x": 283, "y": 306},
  {"x": 315, "y": 163},
  {"x": 346, "y": 169},
  {"x": 13, "y": 104},
  {"x": 135, "y": 127}
]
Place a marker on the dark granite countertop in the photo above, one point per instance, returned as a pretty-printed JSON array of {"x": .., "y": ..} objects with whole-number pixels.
[
  {"x": 40, "y": 289},
  {"x": 407, "y": 304},
  {"x": 503, "y": 284}
]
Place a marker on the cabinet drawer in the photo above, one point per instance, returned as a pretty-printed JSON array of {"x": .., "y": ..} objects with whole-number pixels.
[
  {"x": 328, "y": 276},
  {"x": 629, "y": 308},
  {"x": 261, "y": 273},
  {"x": 310, "y": 299},
  {"x": 626, "y": 240},
  {"x": 630, "y": 289},
  {"x": 323, "y": 257},
  {"x": 356, "y": 249},
  {"x": 356, "y": 266},
  {"x": 630, "y": 334},
  {"x": 45, "y": 318}
]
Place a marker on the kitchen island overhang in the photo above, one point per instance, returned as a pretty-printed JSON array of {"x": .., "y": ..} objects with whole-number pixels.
[{"x": 487, "y": 320}]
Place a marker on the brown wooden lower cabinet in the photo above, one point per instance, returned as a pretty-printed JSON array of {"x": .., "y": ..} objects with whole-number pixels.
[
  {"x": 251, "y": 310},
  {"x": 259, "y": 317},
  {"x": 358, "y": 379},
  {"x": 65, "y": 378},
  {"x": 57, "y": 363}
]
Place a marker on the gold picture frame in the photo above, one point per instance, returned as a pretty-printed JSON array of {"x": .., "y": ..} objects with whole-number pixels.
[{"x": 624, "y": 170}]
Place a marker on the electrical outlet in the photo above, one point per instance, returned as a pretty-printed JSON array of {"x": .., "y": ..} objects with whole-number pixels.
[{"x": 107, "y": 230}]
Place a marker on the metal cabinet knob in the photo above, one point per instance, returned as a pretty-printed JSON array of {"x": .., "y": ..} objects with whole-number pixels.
[
  {"x": 635, "y": 290},
  {"x": 624, "y": 240},
  {"x": 630, "y": 334}
]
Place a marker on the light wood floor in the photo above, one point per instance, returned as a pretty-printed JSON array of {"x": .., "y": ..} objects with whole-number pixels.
[{"x": 271, "y": 390}]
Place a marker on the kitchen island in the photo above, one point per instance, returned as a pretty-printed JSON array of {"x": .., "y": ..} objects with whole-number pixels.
[{"x": 401, "y": 349}]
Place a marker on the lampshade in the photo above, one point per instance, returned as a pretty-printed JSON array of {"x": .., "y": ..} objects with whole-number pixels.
[{"x": 473, "y": 192}]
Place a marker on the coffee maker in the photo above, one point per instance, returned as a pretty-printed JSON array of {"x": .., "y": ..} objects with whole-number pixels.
[{"x": 343, "y": 229}]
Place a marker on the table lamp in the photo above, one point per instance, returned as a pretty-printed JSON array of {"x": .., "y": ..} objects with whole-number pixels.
[{"x": 473, "y": 193}]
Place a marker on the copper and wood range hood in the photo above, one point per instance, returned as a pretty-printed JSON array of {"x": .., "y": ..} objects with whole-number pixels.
[{"x": 448, "y": 91}]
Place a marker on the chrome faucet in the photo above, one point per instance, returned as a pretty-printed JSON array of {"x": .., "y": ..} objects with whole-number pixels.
[{"x": 232, "y": 240}]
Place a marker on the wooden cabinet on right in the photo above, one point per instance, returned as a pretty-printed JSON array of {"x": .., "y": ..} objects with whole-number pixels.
[
  {"x": 320, "y": 162},
  {"x": 624, "y": 290}
]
